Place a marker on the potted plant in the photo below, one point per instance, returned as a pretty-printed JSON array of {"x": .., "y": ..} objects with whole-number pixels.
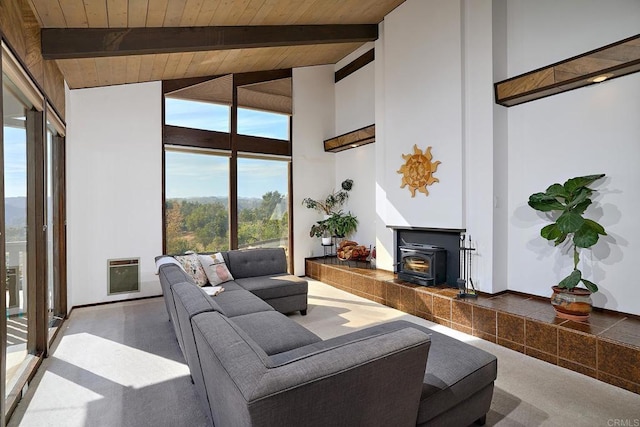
[
  {"x": 565, "y": 205},
  {"x": 341, "y": 225},
  {"x": 335, "y": 222},
  {"x": 333, "y": 201},
  {"x": 321, "y": 229}
]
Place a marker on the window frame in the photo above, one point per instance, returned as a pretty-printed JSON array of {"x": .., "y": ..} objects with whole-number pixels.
[{"x": 232, "y": 142}]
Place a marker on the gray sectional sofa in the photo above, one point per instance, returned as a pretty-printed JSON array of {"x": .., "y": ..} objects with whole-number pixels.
[{"x": 254, "y": 366}]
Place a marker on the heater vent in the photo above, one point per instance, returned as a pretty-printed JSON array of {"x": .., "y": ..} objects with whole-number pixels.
[{"x": 123, "y": 275}]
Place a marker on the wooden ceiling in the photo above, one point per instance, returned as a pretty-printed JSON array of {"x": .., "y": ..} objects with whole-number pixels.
[{"x": 104, "y": 71}]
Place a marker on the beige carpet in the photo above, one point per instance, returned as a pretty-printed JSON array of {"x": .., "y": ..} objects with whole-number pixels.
[{"x": 120, "y": 365}]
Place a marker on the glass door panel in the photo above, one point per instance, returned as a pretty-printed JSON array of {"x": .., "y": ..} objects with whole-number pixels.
[
  {"x": 49, "y": 206},
  {"x": 196, "y": 201},
  {"x": 263, "y": 205},
  {"x": 15, "y": 203}
]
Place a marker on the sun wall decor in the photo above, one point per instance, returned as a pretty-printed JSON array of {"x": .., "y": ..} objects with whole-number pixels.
[{"x": 417, "y": 171}]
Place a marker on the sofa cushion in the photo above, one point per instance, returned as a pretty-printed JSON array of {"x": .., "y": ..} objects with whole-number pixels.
[
  {"x": 172, "y": 273},
  {"x": 275, "y": 286},
  {"x": 237, "y": 303},
  {"x": 256, "y": 262},
  {"x": 455, "y": 371},
  {"x": 215, "y": 268},
  {"x": 231, "y": 285},
  {"x": 274, "y": 332},
  {"x": 192, "y": 266},
  {"x": 193, "y": 299}
]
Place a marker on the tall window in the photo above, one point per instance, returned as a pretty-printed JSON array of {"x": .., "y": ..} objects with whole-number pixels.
[
  {"x": 196, "y": 201},
  {"x": 227, "y": 162},
  {"x": 263, "y": 203}
]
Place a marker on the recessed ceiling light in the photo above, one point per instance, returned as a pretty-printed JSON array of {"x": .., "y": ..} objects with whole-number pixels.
[
  {"x": 354, "y": 145},
  {"x": 600, "y": 78}
]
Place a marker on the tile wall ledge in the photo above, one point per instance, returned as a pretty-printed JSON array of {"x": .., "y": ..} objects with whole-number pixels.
[{"x": 607, "y": 347}]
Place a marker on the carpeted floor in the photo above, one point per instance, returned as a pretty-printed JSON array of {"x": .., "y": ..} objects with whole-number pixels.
[{"x": 120, "y": 365}]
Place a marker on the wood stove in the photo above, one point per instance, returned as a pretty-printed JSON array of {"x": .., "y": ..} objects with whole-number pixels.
[{"x": 423, "y": 264}]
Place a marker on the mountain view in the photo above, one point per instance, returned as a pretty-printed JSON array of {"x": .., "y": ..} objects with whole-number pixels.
[
  {"x": 202, "y": 223},
  {"x": 15, "y": 212}
]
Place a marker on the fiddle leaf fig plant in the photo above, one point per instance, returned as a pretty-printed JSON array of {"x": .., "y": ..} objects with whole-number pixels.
[{"x": 566, "y": 203}]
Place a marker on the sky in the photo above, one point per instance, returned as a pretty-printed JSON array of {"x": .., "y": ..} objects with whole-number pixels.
[
  {"x": 15, "y": 162},
  {"x": 202, "y": 175}
]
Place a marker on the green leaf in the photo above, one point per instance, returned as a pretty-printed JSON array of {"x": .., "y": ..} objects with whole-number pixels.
[
  {"x": 576, "y": 258},
  {"x": 580, "y": 196},
  {"x": 585, "y": 237},
  {"x": 570, "y": 222},
  {"x": 571, "y": 281},
  {"x": 582, "y": 181},
  {"x": 595, "y": 226},
  {"x": 562, "y": 238},
  {"x": 579, "y": 208},
  {"x": 544, "y": 202},
  {"x": 550, "y": 232},
  {"x": 557, "y": 190},
  {"x": 590, "y": 285}
]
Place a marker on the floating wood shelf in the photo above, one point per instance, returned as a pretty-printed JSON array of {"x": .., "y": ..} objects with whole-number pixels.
[
  {"x": 608, "y": 62},
  {"x": 356, "y": 138}
]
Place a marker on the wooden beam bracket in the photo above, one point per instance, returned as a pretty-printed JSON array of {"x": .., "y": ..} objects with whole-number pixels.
[
  {"x": 356, "y": 138},
  {"x": 615, "y": 60}
]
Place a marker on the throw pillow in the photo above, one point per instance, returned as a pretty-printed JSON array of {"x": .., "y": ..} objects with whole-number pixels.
[
  {"x": 215, "y": 268},
  {"x": 193, "y": 268}
]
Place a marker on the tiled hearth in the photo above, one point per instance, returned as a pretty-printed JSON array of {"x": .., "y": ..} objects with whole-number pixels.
[{"x": 607, "y": 347}]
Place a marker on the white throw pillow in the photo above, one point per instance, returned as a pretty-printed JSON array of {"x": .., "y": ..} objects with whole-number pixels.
[
  {"x": 191, "y": 265},
  {"x": 215, "y": 268}
]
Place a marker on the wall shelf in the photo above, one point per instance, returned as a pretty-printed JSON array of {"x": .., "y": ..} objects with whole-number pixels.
[
  {"x": 606, "y": 63},
  {"x": 353, "y": 139}
]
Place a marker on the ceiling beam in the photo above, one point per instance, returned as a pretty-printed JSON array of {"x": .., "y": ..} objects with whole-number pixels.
[{"x": 74, "y": 43}]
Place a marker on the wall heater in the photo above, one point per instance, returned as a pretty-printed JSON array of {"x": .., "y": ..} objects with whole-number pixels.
[{"x": 123, "y": 275}]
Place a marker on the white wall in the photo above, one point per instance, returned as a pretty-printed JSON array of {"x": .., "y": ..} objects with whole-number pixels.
[
  {"x": 313, "y": 169},
  {"x": 589, "y": 130},
  {"x": 114, "y": 187},
  {"x": 419, "y": 101},
  {"x": 355, "y": 109},
  {"x": 478, "y": 125}
]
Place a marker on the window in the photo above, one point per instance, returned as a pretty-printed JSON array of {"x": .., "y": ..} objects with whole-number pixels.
[
  {"x": 227, "y": 186},
  {"x": 196, "y": 201},
  {"x": 263, "y": 203},
  {"x": 263, "y": 123},
  {"x": 196, "y": 114}
]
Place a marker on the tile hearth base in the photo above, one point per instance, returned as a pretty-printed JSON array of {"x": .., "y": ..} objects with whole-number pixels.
[{"x": 606, "y": 347}]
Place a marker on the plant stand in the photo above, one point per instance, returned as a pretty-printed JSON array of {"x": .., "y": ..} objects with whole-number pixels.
[{"x": 328, "y": 250}]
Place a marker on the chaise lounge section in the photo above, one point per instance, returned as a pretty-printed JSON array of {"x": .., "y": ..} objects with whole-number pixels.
[{"x": 254, "y": 366}]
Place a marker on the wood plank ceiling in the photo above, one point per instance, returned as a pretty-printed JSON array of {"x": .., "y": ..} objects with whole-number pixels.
[{"x": 92, "y": 72}]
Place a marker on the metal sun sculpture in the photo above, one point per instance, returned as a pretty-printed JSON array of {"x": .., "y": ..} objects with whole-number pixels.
[{"x": 418, "y": 171}]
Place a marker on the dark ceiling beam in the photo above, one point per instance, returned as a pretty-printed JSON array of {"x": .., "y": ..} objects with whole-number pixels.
[{"x": 73, "y": 43}]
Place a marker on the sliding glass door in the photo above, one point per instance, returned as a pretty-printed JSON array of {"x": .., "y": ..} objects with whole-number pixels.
[
  {"x": 32, "y": 290},
  {"x": 15, "y": 236}
]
